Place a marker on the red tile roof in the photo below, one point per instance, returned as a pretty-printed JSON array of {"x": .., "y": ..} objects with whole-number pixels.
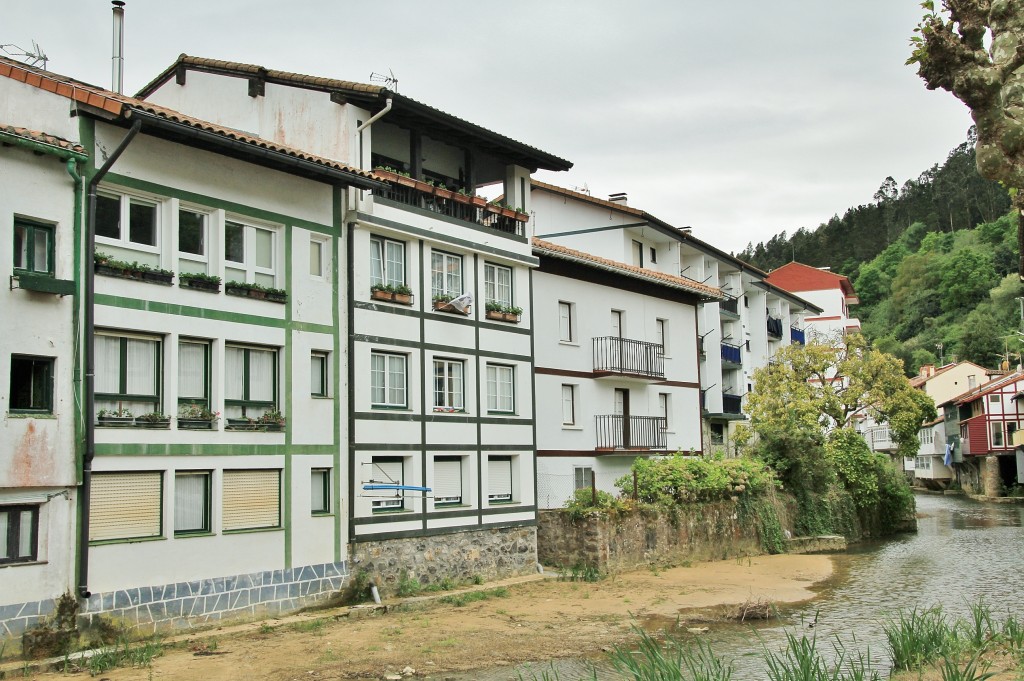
[
  {"x": 797, "y": 277},
  {"x": 541, "y": 247},
  {"x": 43, "y": 138},
  {"x": 122, "y": 105},
  {"x": 984, "y": 389}
]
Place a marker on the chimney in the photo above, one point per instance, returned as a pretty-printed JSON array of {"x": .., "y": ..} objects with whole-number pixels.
[
  {"x": 618, "y": 197},
  {"x": 927, "y": 371},
  {"x": 117, "y": 65}
]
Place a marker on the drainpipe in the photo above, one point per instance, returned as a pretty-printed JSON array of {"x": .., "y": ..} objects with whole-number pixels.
[
  {"x": 373, "y": 119},
  {"x": 90, "y": 361}
]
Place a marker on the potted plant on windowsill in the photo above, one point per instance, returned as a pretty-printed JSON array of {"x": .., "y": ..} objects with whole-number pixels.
[
  {"x": 391, "y": 175},
  {"x": 200, "y": 282},
  {"x": 153, "y": 419},
  {"x": 107, "y": 266},
  {"x": 272, "y": 420},
  {"x": 443, "y": 303},
  {"x": 114, "y": 418},
  {"x": 394, "y": 293},
  {"x": 246, "y": 290},
  {"x": 240, "y": 423},
  {"x": 503, "y": 313},
  {"x": 196, "y": 417}
]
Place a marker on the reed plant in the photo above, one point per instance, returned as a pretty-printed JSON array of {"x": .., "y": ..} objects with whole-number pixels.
[
  {"x": 671, "y": 660},
  {"x": 918, "y": 637},
  {"x": 801, "y": 660}
]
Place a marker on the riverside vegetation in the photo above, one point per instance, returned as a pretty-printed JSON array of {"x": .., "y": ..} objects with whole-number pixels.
[{"x": 922, "y": 644}]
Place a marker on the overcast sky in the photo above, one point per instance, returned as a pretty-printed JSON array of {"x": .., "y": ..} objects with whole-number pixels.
[{"x": 740, "y": 119}]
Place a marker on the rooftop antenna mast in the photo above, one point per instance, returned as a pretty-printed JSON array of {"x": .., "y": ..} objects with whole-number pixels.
[
  {"x": 390, "y": 80},
  {"x": 33, "y": 57}
]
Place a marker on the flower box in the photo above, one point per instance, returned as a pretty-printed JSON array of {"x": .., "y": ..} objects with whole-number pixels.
[
  {"x": 444, "y": 306},
  {"x": 119, "y": 272},
  {"x": 154, "y": 424},
  {"x": 194, "y": 424},
  {"x": 391, "y": 176},
  {"x": 164, "y": 278},
  {"x": 391, "y": 296},
  {"x": 232, "y": 289},
  {"x": 199, "y": 284},
  {"x": 115, "y": 421},
  {"x": 500, "y": 316},
  {"x": 241, "y": 424},
  {"x": 443, "y": 193}
]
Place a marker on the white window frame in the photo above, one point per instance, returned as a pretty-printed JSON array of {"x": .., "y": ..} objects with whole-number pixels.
[
  {"x": 569, "y": 406},
  {"x": 319, "y": 243},
  {"x": 392, "y": 272},
  {"x": 252, "y": 407},
  {"x": 385, "y": 376},
  {"x": 566, "y": 322},
  {"x": 202, "y": 259},
  {"x": 499, "y": 377},
  {"x": 661, "y": 334},
  {"x": 19, "y": 534},
  {"x": 320, "y": 491},
  {"x": 996, "y": 432},
  {"x": 493, "y": 464},
  {"x": 386, "y": 474},
  {"x": 449, "y": 384},
  {"x": 665, "y": 409},
  {"x": 123, "y": 240},
  {"x": 248, "y": 265},
  {"x": 443, "y": 280},
  {"x": 582, "y": 477},
  {"x": 123, "y": 397},
  {"x": 441, "y": 499},
  {"x": 495, "y": 290}
]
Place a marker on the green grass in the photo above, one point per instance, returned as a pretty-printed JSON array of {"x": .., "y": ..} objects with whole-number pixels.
[
  {"x": 123, "y": 654},
  {"x": 919, "y": 637},
  {"x": 459, "y": 600}
]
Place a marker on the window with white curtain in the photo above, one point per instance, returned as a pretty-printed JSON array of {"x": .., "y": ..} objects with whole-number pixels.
[
  {"x": 250, "y": 253},
  {"x": 583, "y": 477},
  {"x": 387, "y": 262},
  {"x": 448, "y": 384},
  {"x": 128, "y": 372},
  {"x": 250, "y": 381},
  {"x": 500, "y": 388},
  {"x": 498, "y": 284},
  {"x": 191, "y": 502},
  {"x": 193, "y": 372},
  {"x": 446, "y": 274},
  {"x": 388, "y": 380}
]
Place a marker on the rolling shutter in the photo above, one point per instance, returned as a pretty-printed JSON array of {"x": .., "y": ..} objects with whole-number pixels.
[
  {"x": 252, "y": 499},
  {"x": 447, "y": 480},
  {"x": 125, "y": 505},
  {"x": 499, "y": 478}
]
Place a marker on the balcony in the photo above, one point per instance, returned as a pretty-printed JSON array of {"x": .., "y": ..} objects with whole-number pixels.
[
  {"x": 880, "y": 439},
  {"x": 615, "y": 432},
  {"x": 730, "y": 306},
  {"x": 774, "y": 327},
  {"x": 797, "y": 336},
  {"x": 731, "y": 354},
  {"x": 614, "y": 356},
  {"x": 474, "y": 209},
  {"x": 732, "y": 404},
  {"x": 1017, "y": 439}
]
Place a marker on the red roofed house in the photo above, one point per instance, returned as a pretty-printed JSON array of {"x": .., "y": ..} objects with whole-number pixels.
[
  {"x": 990, "y": 418},
  {"x": 830, "y": 291}
]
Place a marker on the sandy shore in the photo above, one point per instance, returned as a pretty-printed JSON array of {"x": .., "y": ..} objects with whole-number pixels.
[{"x": 535, "y": 621}]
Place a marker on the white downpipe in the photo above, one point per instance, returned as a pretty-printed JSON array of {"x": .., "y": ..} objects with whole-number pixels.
[{"x": 373, "y": 119}]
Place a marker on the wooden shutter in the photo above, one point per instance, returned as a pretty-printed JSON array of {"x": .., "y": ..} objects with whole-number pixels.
[
  {"x": 125, "y": 505},
  {"x": 447, "y": 480},
  {"x": 252, "y": 499},
  {"x": 499, "y": 478}
]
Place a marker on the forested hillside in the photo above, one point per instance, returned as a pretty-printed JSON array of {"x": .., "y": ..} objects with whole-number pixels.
[{"x": 934, "y": 264}]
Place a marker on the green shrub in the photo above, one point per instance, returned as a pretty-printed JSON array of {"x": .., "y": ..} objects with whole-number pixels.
[
  {"x": 583, "y": 502},
  {"x": 678, "y": 480}
]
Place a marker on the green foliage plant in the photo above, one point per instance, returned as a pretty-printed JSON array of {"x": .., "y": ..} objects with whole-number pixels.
[
  {"x": 679, "y": 480},
  {"x": 408, "y": 585},
  {"x": 919, "y": 637}
]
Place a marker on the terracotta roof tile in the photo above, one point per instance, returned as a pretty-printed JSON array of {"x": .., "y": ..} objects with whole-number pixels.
[
  {"x": 122, "y": 105},
  {"x": 796, "y": 277},
  {"x": 985, "y": 388},
  {"x": 43, "y": 138},
  {"x": 541, "y": 247},
  {"x": 621, "y": 207}
]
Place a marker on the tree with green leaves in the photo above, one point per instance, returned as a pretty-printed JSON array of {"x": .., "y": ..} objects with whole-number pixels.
[{"x": 950, "y": 52}]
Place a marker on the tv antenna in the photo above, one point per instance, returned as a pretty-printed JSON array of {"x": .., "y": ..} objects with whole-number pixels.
[
  {"x": 390, "y": 80},
  {"x": 33, "y": 57},
  {"x": 582, "y": 190}
]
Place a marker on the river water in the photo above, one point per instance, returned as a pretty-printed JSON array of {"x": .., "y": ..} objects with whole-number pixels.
[{"x": 963, "y": 550}]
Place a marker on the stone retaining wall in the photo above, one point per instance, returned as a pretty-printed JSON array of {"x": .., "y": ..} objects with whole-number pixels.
[
  {"x": 709, "y": 531},
  {"x": 461, "y": 557}
]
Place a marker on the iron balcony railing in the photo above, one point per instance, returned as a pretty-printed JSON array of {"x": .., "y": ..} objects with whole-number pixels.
[
  {"x": 731, "y": 353},
  {"x": 774, "y": 327},
  {"x": 615, "y": 431},
  {"x": 413, "y": 196},
  {"x": 626, "y": 356},
  {"x": 732, "y": 404},
  {"x": 797, "y": 335},
  {"x": 730, "y": 305}
]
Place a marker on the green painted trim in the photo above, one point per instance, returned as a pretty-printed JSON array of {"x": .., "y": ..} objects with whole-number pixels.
[
  {"x": 257, "y": 530},
  {"x": 436, "y": 347},
  {"x": 42, "y": 416},
  {"x": 214, "y": 202},
  {"x": 203, "y": 313},
  {"x": 289, "y": 351},
  {"x": 481, "y": 380},
  {"x": 337, "y": 215},
  {"x": 530, "y": 260},
  {"x": 435, "y": 531},
  {"x": 206, "y": 449},
  {"x": 423, "y": 382},
  {"x": 533, "y": 388},
  {"x": 591, "y": 230},
  {"x": 133, "y": 540},
  {"x": 41, "y": 147},
  {"x": 438, "y": 447},
  {"x": 351, "y": 374}
]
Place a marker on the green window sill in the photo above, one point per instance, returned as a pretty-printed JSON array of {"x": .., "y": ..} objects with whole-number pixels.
[
  {"x": 31, "y": 415},
  {"x": 190, "y": 535},
  {"x": 127, "y": 540},
  {"x": 389, "y": 407},
  {"x": 253, "y": 530},
  {"x": 386, "y": 511}
]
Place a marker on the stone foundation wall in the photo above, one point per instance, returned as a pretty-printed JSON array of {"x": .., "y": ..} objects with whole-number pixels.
[
  {"x": 991, "y": 480},
  {"x": 492, "y": 553},
  {"x": 705, "y": 532},
  {"x": 150, "y": 609}
]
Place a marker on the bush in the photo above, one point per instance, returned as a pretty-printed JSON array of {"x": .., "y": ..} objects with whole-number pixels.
[
  {"x": 583, "y": 502},
  {"x": 678, "y": 480},
  {"x": 856, "y": 465}
]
